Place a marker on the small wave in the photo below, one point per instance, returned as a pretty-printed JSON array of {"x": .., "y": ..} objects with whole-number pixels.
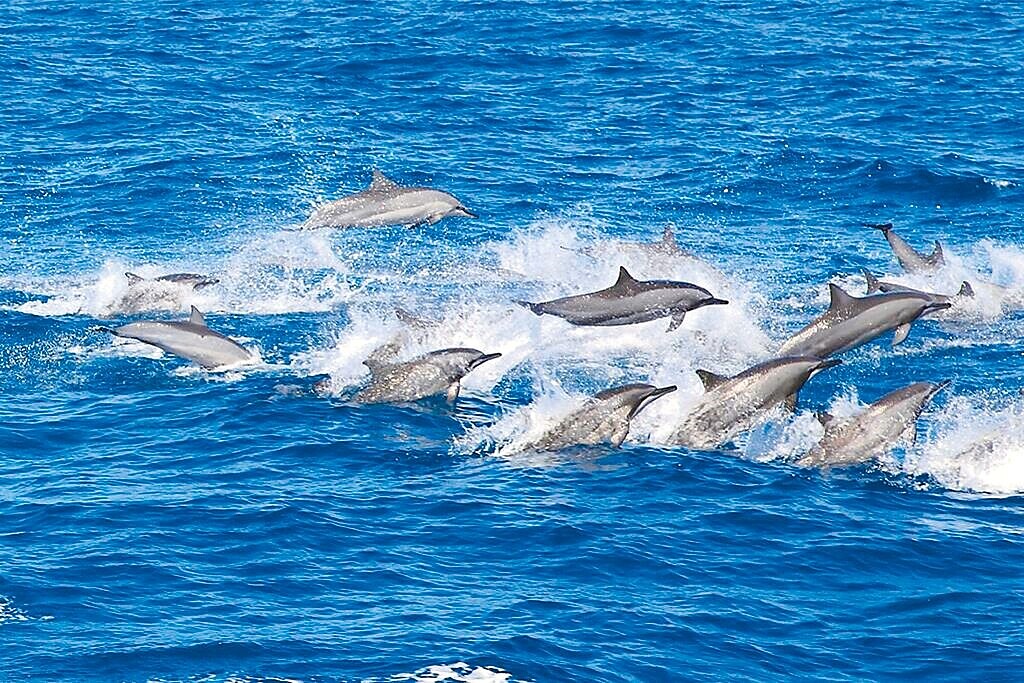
[
  {"x": 10, "y": 612},
  {"x": 457, "y": 672}
]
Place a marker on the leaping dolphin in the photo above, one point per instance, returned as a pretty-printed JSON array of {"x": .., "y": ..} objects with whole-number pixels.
[
  {"x": 911, "y": 261},
  {"x": 629, "y": 301},
  {"x": 432, "y": 373},
  {"x": 190, "y": 339},
  {"x": 850, "y": 322},
  {"x": 385, "y": 202},
  {"x": 193, "y": 280},
  {"x": 603, "y": 419},
  {"x": 874, "y": 431},
  {"x": 876, "y": 285},
  {"x": 732, "y": 405}
]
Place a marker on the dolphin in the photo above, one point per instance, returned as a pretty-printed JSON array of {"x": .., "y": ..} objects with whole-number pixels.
[
  {"x": 666, "y": 245},
  {"x": 629, "y": 301},
  {"x": 850, "y": 322},
  {"x": 733, "y": 404},
  {"x": 432, "y": 373},
  {"x": 191, "y": 280},
  {"x": 603, "y": 419},
  {"x": 190, "y": 339},
  {"x": 385, "y": 202},
  {"x": 876, "y": 285},
  {"x": 911, "y": 261},
  {"x": 874, "y": 431}
]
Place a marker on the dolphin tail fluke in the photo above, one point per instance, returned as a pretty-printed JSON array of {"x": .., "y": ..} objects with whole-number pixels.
[
  {"x": 884, "y": 227},
  {"x": 104, "y": 328},
  {"x": 536, "y": 308},
  {"x": 965, "y": 289},
  {"x": 873, "y": 284}
]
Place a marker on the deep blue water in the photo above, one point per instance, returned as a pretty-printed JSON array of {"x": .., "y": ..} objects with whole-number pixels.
[{"x": 158, "y": 522}]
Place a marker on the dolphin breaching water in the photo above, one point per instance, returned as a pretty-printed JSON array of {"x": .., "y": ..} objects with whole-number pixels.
[
  {"x": 876, "y": 285},
  {"x": 432, "y": 373},
  {"x": 911, "y": 261},
  {"x": 192, "y": 280},
  {"x": 164, "y": 293},
  {"x": 850, "y": 322},
  {"x": 875, "y": 431},
  {"x": 191, "y": 339},
  {"x": 603, "y": 419},
  {"x": 732, "y": 405},
  {"x": 629, "y": 301},
  {"x": 385, "y": 202}
]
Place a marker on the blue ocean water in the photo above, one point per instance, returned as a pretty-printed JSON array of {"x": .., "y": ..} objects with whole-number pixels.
[{"x": 163, "y": 523}]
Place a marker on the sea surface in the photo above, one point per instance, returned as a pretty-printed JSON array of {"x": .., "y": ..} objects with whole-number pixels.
[{"x": 160, "y": 522}]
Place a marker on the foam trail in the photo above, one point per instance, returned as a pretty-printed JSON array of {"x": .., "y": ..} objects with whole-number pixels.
[{"x": 459, "y": 672}]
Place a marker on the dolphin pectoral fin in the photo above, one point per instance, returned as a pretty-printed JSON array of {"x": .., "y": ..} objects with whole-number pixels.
[
  {"x": 453, "y": 391},
  {"x": 790, "y": 402},
  {"x": 677, "y": 320},
  {"x": 197, "y": 317},
  {"x": 134, "y": 279},
  {"x": 619, "y": 435},
  {"x": 710, "y": 380},
  {"x": 902, "y": 332}
]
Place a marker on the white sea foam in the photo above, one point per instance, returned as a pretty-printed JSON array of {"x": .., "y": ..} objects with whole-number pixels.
[{"x": 459, "y": 672}]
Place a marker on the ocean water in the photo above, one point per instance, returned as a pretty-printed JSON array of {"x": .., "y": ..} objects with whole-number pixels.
[{"x": 163, "y": 523}]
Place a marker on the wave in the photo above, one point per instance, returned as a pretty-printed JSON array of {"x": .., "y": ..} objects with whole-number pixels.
[{"x": 457, "y": 672}]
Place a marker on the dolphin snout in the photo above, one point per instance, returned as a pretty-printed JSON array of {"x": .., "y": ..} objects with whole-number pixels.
[
  {"x": 461, "y": 210},
  {"x": 936, "y": 306},
  {"x": 483, "y": 359},
  {"x": 661, "y": 391}
]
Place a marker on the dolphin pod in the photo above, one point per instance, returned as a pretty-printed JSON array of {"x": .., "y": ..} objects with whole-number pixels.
[
  {"x": 729, "y": 405},
  {"x": 385, "y": 202},
  {"x": 629, "y": 301}
]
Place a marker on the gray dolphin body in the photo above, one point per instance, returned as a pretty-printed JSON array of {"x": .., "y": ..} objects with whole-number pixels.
[
  {"x": 850, "y": 322},
  {"x": 874, "y": 431},
  {"x": 190, "y": 339},
  {"x": 732, "y": 405},
  {"x": 193, "y": 280},
  {"x": 385, "y": 202},
  {"x": 911, "y": 261},
  {"x": 604, "y": 419},
  {"x": 629, "y": 301},
  {"x": 432, "y": 373},
  {"x": 876, "y": 285}
]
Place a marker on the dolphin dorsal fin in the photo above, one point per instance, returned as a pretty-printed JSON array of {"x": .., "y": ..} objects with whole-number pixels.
[
  {"x": 133, "y": 278},
  {"x": 937, "y": 258},
  {"x": 382, "y": 182},
  {"x": 839, "y": 298},
  {"x": 197, "y": 317},
  {"x": 872, "y": 281},
  {"x": 710, "y": 380},
  {"x": 668, "y": 238},
  {"x": 625, "y": 280},
  {"x": 965, "y": 289}
]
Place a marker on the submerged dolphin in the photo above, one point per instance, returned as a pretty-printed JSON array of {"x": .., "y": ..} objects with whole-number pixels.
[
  {"x": 850, "y": 322},
  {"x": 603, "y": 419},
  {"x": 432, "y": 373},
  {"x": 911, "y": 261},
  {"x": 190, "y": 339},
  {"x": 733, "y": 404},
  {"x": 874, "y": 431},
  {"x": 876, "y": 285},
  {"x": 193, "y": 280},
  {"x": 629, "y": 301},
  {"x": 385, "y": 202}
]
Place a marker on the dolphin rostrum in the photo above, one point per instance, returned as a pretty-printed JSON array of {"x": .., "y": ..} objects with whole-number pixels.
[
  {"x": 603, "y": 419},
  {"x": 874, "y": 431},
  {"x": 190, "y": 339},
  {"x": 191, "y": 280},
  {"x": 876, "y": 285},
  {"x": 432, "y": 373},
  {"x": 385, "y": 202},
  {"x": 732, "y": 405},
  {"x": 850, "y": 322},
  {"x": 629, "y": 301},
  {"x": 911, "y": 261}
]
